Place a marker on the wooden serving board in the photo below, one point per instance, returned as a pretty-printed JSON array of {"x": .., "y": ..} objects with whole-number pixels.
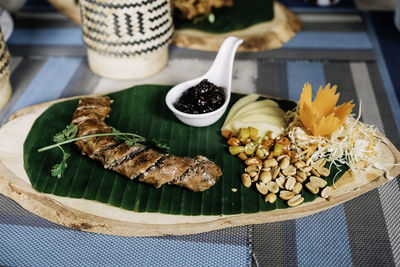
[
  {"x": 96, "y": 217},
  {"x": 261, "y": 36}
]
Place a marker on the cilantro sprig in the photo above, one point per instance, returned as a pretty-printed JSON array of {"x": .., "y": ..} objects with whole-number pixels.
[
  {"x": 59, "y": 168},
  {"x": 68, "y": 135}
]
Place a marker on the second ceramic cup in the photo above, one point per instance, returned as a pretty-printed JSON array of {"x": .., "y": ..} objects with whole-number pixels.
[
  {"x": 126, "y": 39},
  {"x": 5, "y": 86}
]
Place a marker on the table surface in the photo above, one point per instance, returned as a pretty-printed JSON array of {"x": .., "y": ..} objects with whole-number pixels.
[{"x": 358, "y": 51}]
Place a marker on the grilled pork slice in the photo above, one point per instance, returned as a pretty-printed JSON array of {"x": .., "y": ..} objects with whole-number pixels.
[
  {"x": 92, "y": 108},
  {"x": 90, "y": 102},
  {"x": 89, "y": 127},
  {"x": 93, "y": 145},
  {"x": 81, "y": 115},
  {"x": 138, "y": 164},
  {"x": 167, "y": 169},
  {"x": 118, "y": 154},
  {"x": 201, "y": 175}
]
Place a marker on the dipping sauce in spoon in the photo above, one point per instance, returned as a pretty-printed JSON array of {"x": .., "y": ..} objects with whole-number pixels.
[{"x": 201, "y": 98}]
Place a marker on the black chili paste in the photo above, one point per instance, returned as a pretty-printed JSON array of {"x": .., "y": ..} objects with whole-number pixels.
[{"x": 202, "y": 98}]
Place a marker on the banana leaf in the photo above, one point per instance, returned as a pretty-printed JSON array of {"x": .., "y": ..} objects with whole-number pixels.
[
  {"x": 241, "y": 15},
  {"x": 142, "y": 110}
]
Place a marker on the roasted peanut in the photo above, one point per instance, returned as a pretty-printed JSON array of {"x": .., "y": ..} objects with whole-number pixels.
[
  {"x": 297, "y": 188},
  {"x": 255, "y": 178},
  {"x": 299, "y": 179},
  {"x": 318, "y": 182},
  {"x": 253, "y": 161},
  {"x": 253, "y": 174},
  {"x": 289, "y": 171},
  {"x": 290, "y": 182},
  {"x": 262, "y": 188},
  {"x": 270, "y": 197},
  {"x": 286, "y": 195},
  {"x": 323, "y": 171},
  {"x": 312, "y": 188},
  {"x": 319, "y": 163},
  {"x": 295, "y": 201},
  {"x": 281, "y": 157},
  {"x": 265, "y": 177},
  {"x": 299, "y": 164},
  {"x": 306, "y": 169},
  {"x": 246, "y": 180},
  {"x": 315, "y": 173},
  {"x": 284, "y": 163},
  {"x": 327, "y": 192},
  {"x": 253, "y": 168},
  {"x": 275, "y": 171},
  {"x": 269, "y": 163},
  {"x": 280, "y": 181},
  {"x": 273, "y": 187},
  {"x": 301, "y": 174}
]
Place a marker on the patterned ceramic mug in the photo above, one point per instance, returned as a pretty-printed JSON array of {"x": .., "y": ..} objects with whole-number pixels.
[
  {"x": 5, "y": 86},
  {"x": 126, "y": 39}
]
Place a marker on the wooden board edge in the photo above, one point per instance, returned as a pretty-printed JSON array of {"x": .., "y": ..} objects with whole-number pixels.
[
  {"x": 261, "y": 40},
  {"x": 56, "y": 212}
]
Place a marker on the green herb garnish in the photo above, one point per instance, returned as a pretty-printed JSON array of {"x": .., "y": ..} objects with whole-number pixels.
[
  {"x": 68, "y": 135},
  {"x": 59, "y": 168},
  {"x": 130, "y": 140}
]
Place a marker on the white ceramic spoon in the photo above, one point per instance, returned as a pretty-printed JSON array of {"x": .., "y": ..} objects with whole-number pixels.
[{"x": 220, "y": 74}]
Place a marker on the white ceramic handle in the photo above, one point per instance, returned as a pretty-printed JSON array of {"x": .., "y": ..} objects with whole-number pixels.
[{"x": 220, "y": 72}]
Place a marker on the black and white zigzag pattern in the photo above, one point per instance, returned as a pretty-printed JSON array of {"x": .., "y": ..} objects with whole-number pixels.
[
  {"x": 4, "y": 57},
  {"x": 125, "y": 28}
]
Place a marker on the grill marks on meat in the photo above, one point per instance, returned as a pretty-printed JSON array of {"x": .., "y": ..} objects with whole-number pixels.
[
  {"x": 148, "y": 165},
  {"x": 168, "y": 169},
  {"x": 200, "y": 175},
  {"x": 139, "y": 164},
  {"x": 118, "y": 154}
]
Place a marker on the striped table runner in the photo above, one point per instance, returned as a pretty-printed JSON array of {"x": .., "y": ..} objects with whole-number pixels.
[{"x": 336, "y": 45}]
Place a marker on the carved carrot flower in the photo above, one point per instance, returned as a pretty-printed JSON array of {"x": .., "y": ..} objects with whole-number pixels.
[{"x": 322, "y": 117}]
